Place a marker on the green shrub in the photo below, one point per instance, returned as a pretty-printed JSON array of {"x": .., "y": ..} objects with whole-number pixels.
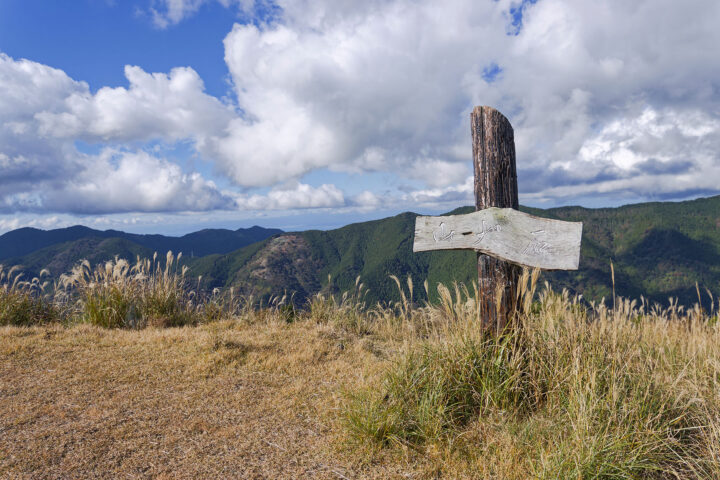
[{"x": 435, "y": 389}]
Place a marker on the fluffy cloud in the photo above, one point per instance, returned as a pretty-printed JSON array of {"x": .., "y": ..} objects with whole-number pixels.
[
  {"x": 453, "y": 195},
  {"x": 296, "y": 196},
  {"x": 15, "y": 222},
  {"x": 171, "y": 107},
  {"x": 42, "y": 102},
  {"x": 116, "y": 181},
  {"x": 43, "y": 112},
  {"x": 363, "y": 86},
  {"x": 26, "y": 161},
  {"x": 171, "y": 12},
  {"x": 379, "y": 83},
  {"x": 367, "y": 200},
  {"x": 166, "y": 13},
  {"x": 662, "y": 154},
  {"x": 135, "y": 182}
]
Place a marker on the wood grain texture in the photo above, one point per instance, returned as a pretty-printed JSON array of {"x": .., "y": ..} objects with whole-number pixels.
[
  {"x": 506, "y": 234},
  {"x": 493, "y": 145}
]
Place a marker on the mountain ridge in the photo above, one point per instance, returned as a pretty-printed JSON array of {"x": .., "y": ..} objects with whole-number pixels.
[
  {"x": 658, "y": 250},
  {"x": 23, "y": 241}
]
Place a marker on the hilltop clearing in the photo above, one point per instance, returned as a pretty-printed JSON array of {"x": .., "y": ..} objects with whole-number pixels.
[{"x": 225, "y": 400}]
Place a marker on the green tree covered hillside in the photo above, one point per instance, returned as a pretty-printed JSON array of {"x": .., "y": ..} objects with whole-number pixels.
[{"x": 658, "y": 250}]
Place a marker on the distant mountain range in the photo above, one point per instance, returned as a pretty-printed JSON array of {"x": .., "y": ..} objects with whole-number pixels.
[
  {"x": 58, "y": 250},
  {"x": 658, "y": 250}
]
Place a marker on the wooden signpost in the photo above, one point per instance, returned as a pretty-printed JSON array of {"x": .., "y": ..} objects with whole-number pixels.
[{"x": 504, "y": 237}]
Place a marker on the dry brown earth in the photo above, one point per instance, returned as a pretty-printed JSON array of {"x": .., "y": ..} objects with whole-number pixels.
[{"x": 225, "y": 400}]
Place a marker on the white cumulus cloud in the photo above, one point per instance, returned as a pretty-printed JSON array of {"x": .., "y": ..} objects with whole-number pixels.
[
  {"x": 294, "y": 196},
  {"x": 171, "y": 12},
  {"x": 386, "y": 79},
  {"x": 388, "y": 86},
  {"x": 135, "y": 182},
  {"x": 43, "y": 112},
  {"x": 171, "y": 107}
]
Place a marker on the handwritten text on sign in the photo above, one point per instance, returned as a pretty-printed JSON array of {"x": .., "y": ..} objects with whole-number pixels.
[{"x": 504, "y": 233}]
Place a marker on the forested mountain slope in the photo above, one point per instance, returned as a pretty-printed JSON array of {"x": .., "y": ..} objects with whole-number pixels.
[{"x": 658, "y": 250}]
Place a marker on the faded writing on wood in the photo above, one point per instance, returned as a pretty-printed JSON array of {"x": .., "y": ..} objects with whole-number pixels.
[{"x": 506, "y": 234}]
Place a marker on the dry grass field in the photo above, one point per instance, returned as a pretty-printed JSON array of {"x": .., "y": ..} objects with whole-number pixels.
[
  {"x": 224, "y": 400},
  {"x": 127, "y": 374}
]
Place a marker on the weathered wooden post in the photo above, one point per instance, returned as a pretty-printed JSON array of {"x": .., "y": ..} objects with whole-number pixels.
[
  {"x": 493, "y": 146},
  {"x": 504, "y": 237}
]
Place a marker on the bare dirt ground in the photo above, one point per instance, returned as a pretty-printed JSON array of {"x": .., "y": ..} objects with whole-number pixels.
[{"x": 225, "y": 400}]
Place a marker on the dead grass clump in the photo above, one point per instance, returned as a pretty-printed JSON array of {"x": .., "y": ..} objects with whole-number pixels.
[
  {"x": 347, "y": 312},
  {"x": 117, "y": 295},
  {"x": 23, "y": 302}
]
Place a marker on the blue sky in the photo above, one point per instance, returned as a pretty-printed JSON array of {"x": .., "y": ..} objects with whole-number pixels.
[
  {"x": 173, "y": 115},
  {"x": 93, "y": 40}
]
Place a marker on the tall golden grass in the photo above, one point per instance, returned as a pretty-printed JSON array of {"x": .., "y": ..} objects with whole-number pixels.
[
  {"x": 115, "y": 294},
  {"x": 573, "y": 391},
  {"x": 25, "y": 302}
]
